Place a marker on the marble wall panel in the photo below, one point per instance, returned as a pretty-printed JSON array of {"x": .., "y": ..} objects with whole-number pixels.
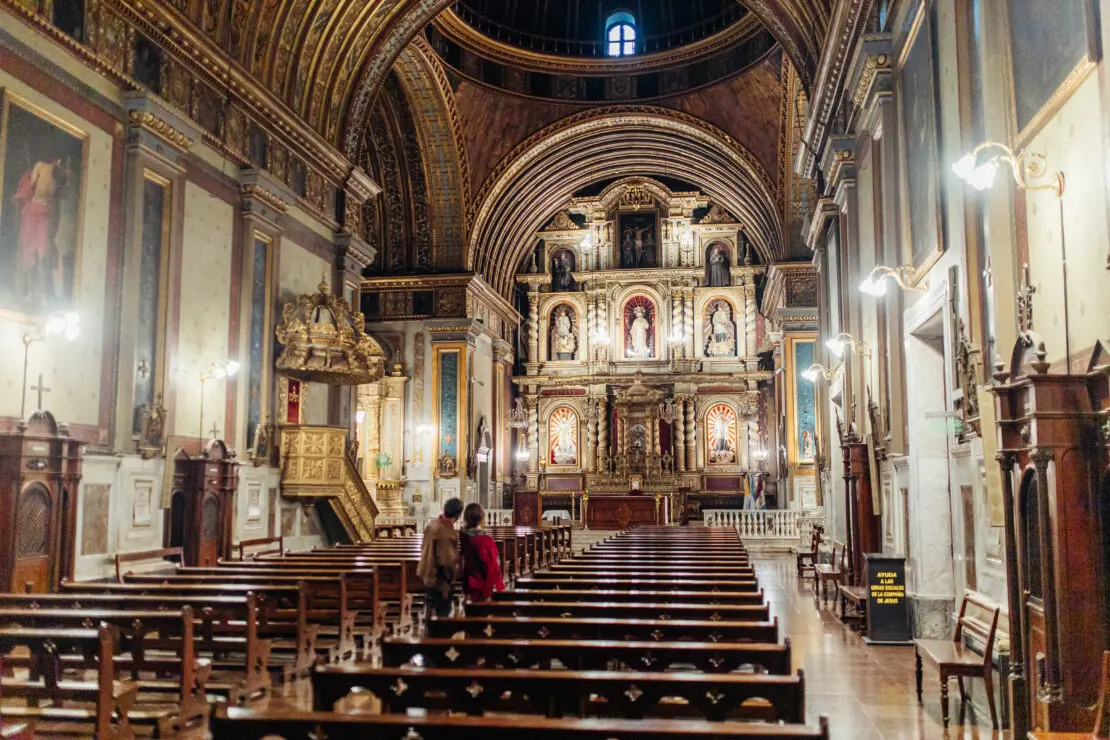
[{"x": 95, "y": 510}]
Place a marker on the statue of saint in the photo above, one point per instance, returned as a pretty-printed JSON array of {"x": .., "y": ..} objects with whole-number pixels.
[
  {"x": 720, "y": 332},
  {"x": 563, "y": 341},
  {"x": 638, "y": 331},
  {"x": 628, "y": 249},
  {"x": 719, "y": 275},
  {"x": 561, "y": 279}
]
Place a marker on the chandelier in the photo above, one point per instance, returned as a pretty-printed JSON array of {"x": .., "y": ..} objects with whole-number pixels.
[
  {"x": 666, "y": 411},
  {"x": 324, "y": 341},
  {"x": 518, "y": 416}
]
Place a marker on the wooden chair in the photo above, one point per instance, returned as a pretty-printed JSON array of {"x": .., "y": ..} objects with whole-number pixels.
[
  {"x": 808, "y": 558},
  {"x": 823, "y": 573},
  {"x": 954, "y": 658},
  {"x": 1102, "y": 714}
]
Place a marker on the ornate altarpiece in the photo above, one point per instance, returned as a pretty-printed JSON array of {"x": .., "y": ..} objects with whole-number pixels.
[{"x": 652, "y": 362}]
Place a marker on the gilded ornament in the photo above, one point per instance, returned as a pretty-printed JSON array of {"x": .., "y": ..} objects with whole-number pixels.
[{"x": 324, "y": 341}]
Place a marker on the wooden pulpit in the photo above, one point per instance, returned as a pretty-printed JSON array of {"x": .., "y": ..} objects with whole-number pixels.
[
  {"x": 40, "y": 468},
  {"x": 200, "y": 518}
]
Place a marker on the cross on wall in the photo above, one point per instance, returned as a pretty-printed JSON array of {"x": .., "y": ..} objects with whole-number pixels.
[{"x": 40, "y": 389}]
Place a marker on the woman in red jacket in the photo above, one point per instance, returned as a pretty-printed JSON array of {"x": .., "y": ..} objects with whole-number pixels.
[{"x": 481, "y": 571}]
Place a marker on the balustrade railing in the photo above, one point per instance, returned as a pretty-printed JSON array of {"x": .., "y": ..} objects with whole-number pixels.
[{"x": 763, "y": 524}]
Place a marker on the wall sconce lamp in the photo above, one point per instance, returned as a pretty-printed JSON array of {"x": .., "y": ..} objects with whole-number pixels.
[
  {"x": 843, "y": 342},
  {"x": 979, "y": 168},
  {"x": 66, "y": 324},
  {"x": 876, "y": 281},
  {"x": 815, "y": 372},
  {"x": 216, "y": 370}
]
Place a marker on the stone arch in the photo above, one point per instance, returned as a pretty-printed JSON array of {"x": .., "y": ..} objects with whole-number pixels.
[{"x": 545, "y": 170}]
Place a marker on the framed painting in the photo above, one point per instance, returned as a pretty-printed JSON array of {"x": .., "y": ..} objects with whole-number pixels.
[
  {"x": 1050, "y": 54},
  {"x": 42, "y": 178},
  {"x": 922, "y": 228}
]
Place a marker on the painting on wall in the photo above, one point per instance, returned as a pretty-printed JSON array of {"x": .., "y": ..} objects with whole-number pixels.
[
  {"x": 562, "y": 331},
  {"x": 638, "y": 240},
  {"x": 920, "y": 143},
  {"x": 721, "y": 435},
  {"x": 639, "y": 328},
  {"x": 805, "y": 410},
  {"x": 41, "y": 193},
  {"x": 562, "y": 436}
]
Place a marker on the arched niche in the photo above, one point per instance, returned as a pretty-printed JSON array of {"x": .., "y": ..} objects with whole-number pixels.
[
  {"x": 557, "y": 315},
  {"x": 719, "y": 328},
  {"x": 563, "y": 447},
  {"x": 639, "y": 323},
  {"x": 722, "y": 435},
  {"x": 719, "y": 259}
]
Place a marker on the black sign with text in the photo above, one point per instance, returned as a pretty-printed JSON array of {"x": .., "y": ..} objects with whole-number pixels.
[{"x": 888, "y": 610}]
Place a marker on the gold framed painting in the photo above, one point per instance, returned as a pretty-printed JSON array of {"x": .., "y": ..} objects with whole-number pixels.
[
  {"x": 42, "y": 194},
  {"x": 1050, "y": 53},
  {"x": 921, "y": 181}
]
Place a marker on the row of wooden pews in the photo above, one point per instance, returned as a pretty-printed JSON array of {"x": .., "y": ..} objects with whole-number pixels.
[{"x": 656, "y": 632}]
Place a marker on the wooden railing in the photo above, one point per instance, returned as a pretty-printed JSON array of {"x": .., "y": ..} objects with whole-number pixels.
[{"x": 763, "y": 524}]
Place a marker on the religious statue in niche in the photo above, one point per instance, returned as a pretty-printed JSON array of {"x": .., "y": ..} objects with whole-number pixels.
[
  {"x": 562, "y": 433},
  {"x": 447, "y": 466},
  {"x": 562, "y": 265},
  {"x": 719, "y": 330},
  {"x": 718, "y": 259},
  {"x": 563, "y": 342},
  {"x": 637, "y": 240},
  {"x": 639, "y": 337},
  {"x": 720, "y": 422},
  {"x": 809, "y": 453}
]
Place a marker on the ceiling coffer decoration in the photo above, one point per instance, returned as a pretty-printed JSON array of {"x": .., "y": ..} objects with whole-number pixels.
[{"x": 324, "y": 341}]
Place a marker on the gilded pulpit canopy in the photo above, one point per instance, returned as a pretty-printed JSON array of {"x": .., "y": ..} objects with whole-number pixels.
[{"x": 324, "y": 341}]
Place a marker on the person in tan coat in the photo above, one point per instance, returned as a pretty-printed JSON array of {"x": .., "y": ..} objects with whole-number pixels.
[{"x": 439, "y": 559}]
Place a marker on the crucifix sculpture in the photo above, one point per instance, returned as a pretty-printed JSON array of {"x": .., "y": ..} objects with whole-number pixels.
[{"x": 40, "y": 389}]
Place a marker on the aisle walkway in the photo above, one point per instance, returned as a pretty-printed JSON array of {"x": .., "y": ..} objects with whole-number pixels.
[{"x": 867, "y": 692}]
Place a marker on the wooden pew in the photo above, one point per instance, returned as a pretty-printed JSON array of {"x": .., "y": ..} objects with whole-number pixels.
[
  {"x": 111, "y": 700},
  {"x": 608, "y": 581},
  {"x": 328, "y": 615},
  {"x": 657, "y": 597},
  {"x": 179, "y": 637},
  {"x": 587, "y": 655},
  {"x": 618, "y": 610},
  {"x": 244, "y": 545},
  {"x": 154, "y": 646},
  {"x": 152, "y": 557},
  {"x": 638, "y": 572},
  {"x": 591, "y": 628},
  {"x": 716, "y": 697},
  {"x": 230, "y": 723}
]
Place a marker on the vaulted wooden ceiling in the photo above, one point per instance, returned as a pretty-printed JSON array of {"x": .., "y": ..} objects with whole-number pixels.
[{"x": 327, "y": 58}]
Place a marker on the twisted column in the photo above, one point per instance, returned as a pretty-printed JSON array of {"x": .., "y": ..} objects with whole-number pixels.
[
  {"x": 533, "y": 327},
  {"x": 691, "y": 434},
  {"x": 688, "y": 321},
  {"x": 591, "y": 327},
  {"x": 533, "y": 437},
  {"x": 603, "y": 325},
  {"x": 603, "y": 426},
  {"x": 679, "y": 442},
  {"x": 749, "y": 320},
  {"x": 591, "y": 440},
  {"x": 677, "y": 324}
]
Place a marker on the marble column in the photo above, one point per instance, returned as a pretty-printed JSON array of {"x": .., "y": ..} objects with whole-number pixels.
[
  {"x": 691, "y": 434},
  {"x": 373, "y": 433},
  {"x": 533, "y": 435},
  {"x": 749, "y": 319},
  {"x": 622, "y": 431},
  {"x": 679, "y": 441}
]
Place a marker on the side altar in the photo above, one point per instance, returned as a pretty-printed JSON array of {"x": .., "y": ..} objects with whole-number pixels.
[{"x": 641, "y": 366}]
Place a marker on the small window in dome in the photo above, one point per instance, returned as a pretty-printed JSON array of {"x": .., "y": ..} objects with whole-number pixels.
[{"x": 620, "y": 35}]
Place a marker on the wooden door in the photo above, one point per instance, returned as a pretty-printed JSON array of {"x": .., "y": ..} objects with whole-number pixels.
[
  {"x": 33, "y": 535},
  {"x": 175, "y": 532},
  {"x": 208, "y": 550},
  {"x": 1032, "y": 593}
]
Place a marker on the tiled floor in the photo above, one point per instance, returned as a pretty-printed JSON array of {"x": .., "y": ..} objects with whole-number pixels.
[{"x": 867, "y": 692}]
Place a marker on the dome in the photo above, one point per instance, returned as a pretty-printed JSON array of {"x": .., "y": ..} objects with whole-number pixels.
[{"x": 598, "y": 51}]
